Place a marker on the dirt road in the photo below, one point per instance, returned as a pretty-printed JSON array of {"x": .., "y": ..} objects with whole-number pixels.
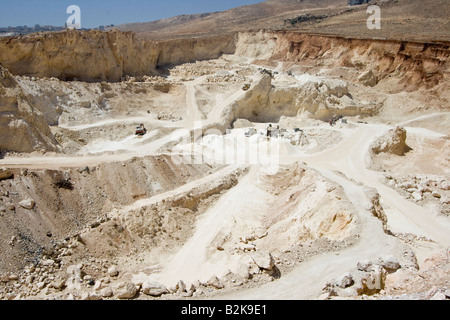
[{"x": 346, "y": 164}]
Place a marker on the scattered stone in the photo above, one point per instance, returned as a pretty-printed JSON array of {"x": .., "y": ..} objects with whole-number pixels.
[
  {"x": 5, "y": 174},
  {"x": 430, "y": 293},
  {"x": 106, "y": 292},
  {"x": 181, "y": 286},
  {"x": 436, "y": 194},
  {"x": 416, "y": 196},
  {"x": 390, "y": 263},
  {"x": 444, "y": 185},
  {"x": 263, "y": 260},
  {"x": 243, "y": 272},
  {"x": 13, "y": 277},
  {"x": 47, "y": 263},
  {"x": 345, "y": 280},
  {"x": 364, "y": 265},
  {"x": 41, "y": 285},
  {"x": 27, "y": 204},
  {"x": 368, "y": 79},
  {"x": 57, "y": 284},
  {"x": 438, "y": 296},
  {"x": 113, "y": 272},
  {"x": 93, "y": 296},
  {"x": 215, "y": 282},
  {"x": 125, "y": 290},
  {"x": 154, "y": 288}
]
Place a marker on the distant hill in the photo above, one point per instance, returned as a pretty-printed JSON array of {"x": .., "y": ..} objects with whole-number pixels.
[
  {"x": 23, "y": 30},
  {"x": 401, "y": 19},
  {"x": 214, "y": 23}
]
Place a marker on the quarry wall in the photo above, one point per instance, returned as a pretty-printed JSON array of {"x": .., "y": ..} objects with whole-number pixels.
[
  {"x": 109, "y": 56},
  {"x": 102, "y": 56}
]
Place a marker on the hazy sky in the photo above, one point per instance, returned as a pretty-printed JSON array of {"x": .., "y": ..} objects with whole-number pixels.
[{"x": 104, "y": 12}]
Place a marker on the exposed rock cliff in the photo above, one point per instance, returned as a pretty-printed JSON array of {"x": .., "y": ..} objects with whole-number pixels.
[
  {"x": 99, "y": 56},
  {"x": 416, "y": 63},
  {"x": 102, "y": 56},
  {"x": 22, "y": 127}
]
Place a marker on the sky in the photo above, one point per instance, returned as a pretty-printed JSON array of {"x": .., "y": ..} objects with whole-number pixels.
[{"x": 95, "y": 13}]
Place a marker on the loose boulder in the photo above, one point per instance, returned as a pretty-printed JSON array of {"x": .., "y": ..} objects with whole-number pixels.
[
  {"x": 153, "y": 288},
  {"x": 263, "y": 260},
  {"x": 345, "y": 280},
  {"x": 393, "y": 142},
  {"x": 368, "y": 79},
  {"x": 27, "y": 204},
  {"x": 390, "y": 263},
  {"x": 125, "y": 290},
  {"x": 5, "y": 174}
]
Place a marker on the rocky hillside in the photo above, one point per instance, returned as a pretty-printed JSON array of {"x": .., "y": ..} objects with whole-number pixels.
[
  {"x": 400, "y": 19},
  {"x": 225, "y": 22},
  {"x": 93, "y": 56},
  {"x": 419, "y": 63},
  {"x": 23, "y": 128},
  {"x": 98, "y": 56}
]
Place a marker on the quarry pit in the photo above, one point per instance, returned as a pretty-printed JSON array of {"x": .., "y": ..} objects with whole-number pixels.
[{"x": 347, "y": 195}]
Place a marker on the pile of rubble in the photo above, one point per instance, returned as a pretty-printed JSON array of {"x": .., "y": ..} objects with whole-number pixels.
[
  {"x": 54, "y": 277},
  {"x": 225, "y": 77},
  {"x": 389, "y": 278},
  {"x": 198, "y": 69},
  {"x": 423, "y": 188},
  {"x": 296, "y": 137}
]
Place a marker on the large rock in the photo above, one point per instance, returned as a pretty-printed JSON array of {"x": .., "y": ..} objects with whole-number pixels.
[
  {"x": 393, "y": 142},
  {"x": 390, "y": 263},
  {"x": 153, "y": 288},
  {"x": 364, "y": 265},
  {"x": 5, "y": 174},
  {"x": 368, "y": 79},
  {"x": 125, "y": 290},
  {"x": 338, "y": 88},
  {"x": 27, "y": 204},
  {"x": 215, "y": 282},
  {"x": 263, "y": 260},
  {"x": 373, "y": 282},
  {"x": 345, "y": 280}
]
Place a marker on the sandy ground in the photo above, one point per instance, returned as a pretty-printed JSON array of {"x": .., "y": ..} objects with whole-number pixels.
[{"x": 345, "y": 162}]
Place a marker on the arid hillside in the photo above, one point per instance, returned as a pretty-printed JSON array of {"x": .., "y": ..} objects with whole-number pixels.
[
  {"x": 424, "y": 20},
  {"x": 226, "y": 22}
]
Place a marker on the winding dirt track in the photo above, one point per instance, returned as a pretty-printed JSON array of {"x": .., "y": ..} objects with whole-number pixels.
[
  {"x": 345, "y": 163},
  {"x": 350, "y": 158}
]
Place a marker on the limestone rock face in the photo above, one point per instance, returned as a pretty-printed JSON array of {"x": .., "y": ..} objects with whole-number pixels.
[
  {"x": 22, "y": 127},
  {"x": 394, "y": 142},
  {"x": 102, "y": 56}
]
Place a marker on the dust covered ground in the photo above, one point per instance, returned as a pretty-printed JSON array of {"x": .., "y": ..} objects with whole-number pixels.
[{"x": 346, "y": 198}]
